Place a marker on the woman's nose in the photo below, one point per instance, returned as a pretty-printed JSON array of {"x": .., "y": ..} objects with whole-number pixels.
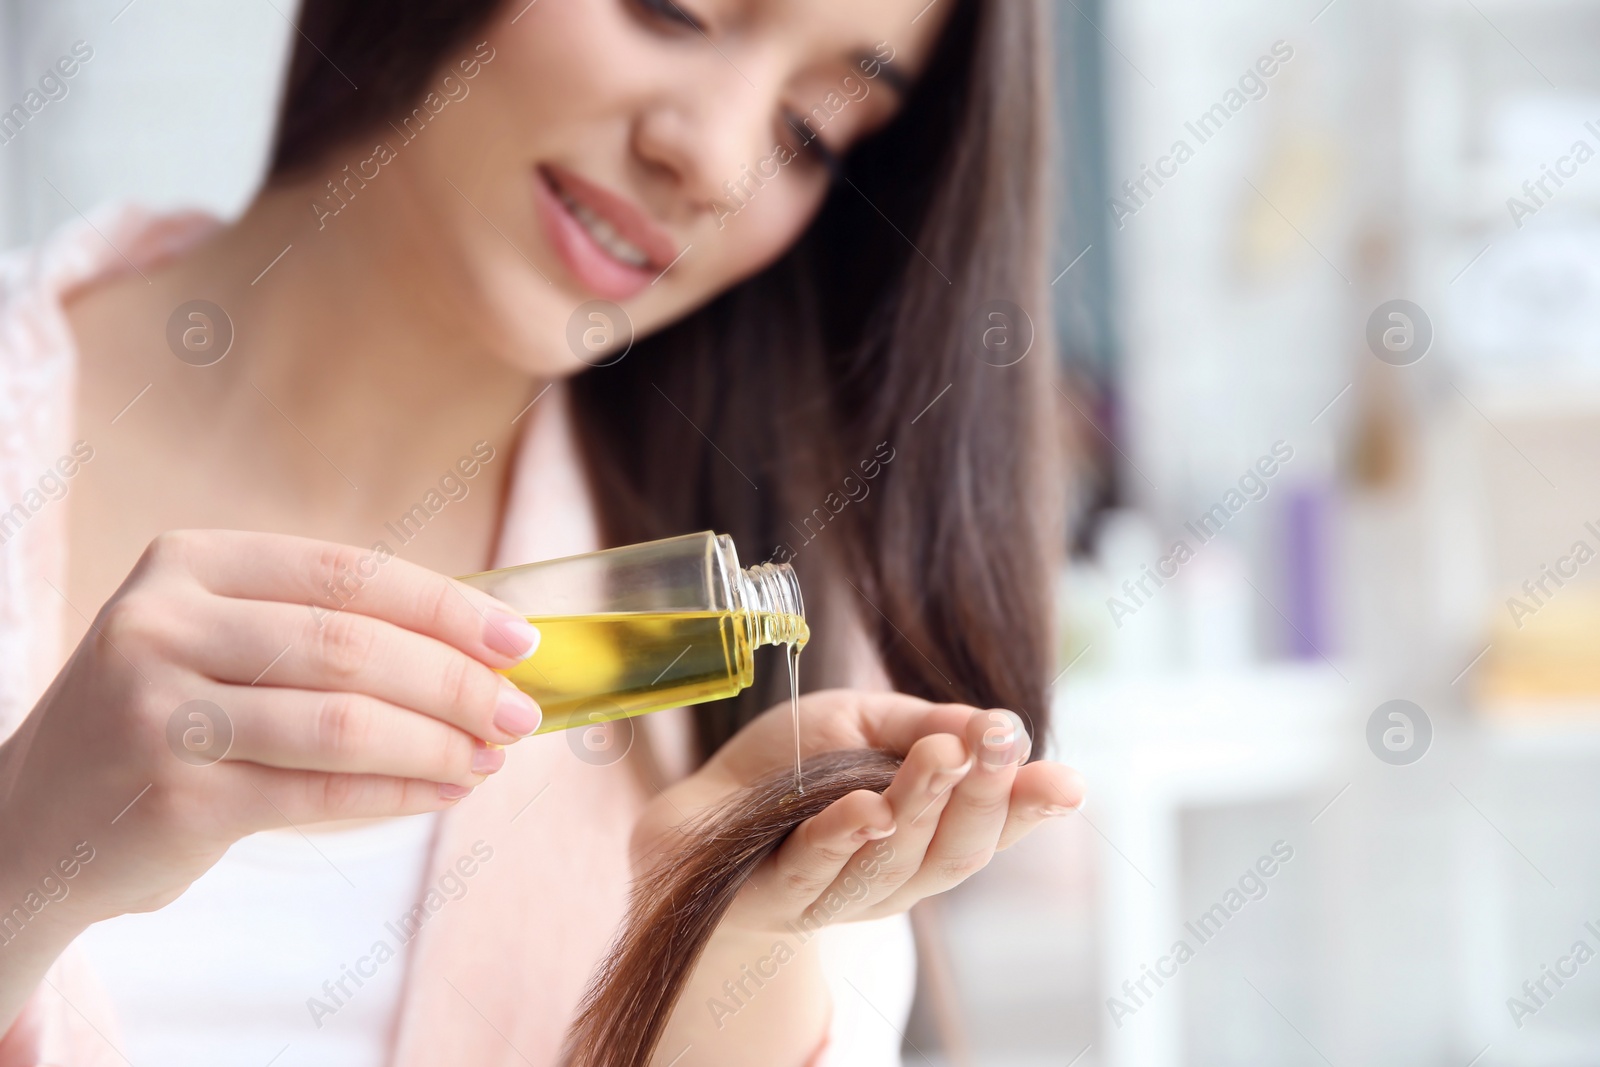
[{"x": 700, "y": 139}]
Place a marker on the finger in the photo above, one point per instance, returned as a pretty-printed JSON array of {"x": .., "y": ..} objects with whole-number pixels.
[
  {"x": 331, "y": 579},
  {"x": 275, "y": 798},
  {"x": 970, "y": 825},
  {"x": 1041, "y": 792},
  {"x": 817, "y": 851},
  {"x": 917, "y": 795},
  {"x": 263, "y": 643},
  {"x": 887, "y": 721},
  {"x": 893, "y": 722},
  {"x": 844, "y": 718},
  {"x": 298, "y": 729}
]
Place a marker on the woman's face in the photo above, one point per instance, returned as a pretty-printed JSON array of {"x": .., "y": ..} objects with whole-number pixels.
[{"x": 647, "y": 154}]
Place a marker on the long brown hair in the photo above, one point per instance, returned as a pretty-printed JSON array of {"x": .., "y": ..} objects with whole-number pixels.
[
  {"x": 674, "y": 910},
  {"x": 864, "y": 340}
]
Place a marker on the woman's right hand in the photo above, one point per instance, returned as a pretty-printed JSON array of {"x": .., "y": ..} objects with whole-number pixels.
[{"x": 386, "y": 706}]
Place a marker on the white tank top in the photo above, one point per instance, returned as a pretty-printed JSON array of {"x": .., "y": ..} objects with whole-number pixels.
[{"x": 291, "y": 951}]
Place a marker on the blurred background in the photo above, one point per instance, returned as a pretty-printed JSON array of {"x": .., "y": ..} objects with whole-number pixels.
[{"x": 1329, "y": 303}]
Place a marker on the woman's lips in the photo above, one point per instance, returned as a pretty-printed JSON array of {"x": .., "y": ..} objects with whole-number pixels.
[{"x": 609, "y": 246}]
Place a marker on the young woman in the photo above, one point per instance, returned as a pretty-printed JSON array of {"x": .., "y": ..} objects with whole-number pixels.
[{"x": 240, "y": 459}]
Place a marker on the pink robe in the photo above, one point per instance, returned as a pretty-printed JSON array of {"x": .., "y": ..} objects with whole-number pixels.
[{"x": 494, "y": 982}]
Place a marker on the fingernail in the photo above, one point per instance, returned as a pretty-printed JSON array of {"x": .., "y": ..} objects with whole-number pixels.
[
  {"x": 1050, "y": 811},
  {"x": 1005, "y": 740},
  {"x": 510, "y": 635},
  {"x": 486, "y": 759},
  {"x": 873, "y": 833},
  {"x": 999, "y": 753},
  {"x": 515, "y": 712},
  {"x": 453, "y": 792}
]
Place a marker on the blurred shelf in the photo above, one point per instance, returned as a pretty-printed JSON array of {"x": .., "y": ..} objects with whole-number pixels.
[
  {"x": 1204, "y": 738},
  {"x": 1152, "y": 747},
  {"x": 1453, "y": 9},
  {"x": 1544, "y": 728},
  {"x": 1536, "y": 400}
]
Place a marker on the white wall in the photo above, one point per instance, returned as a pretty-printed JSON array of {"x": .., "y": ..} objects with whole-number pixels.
[{"x": 175, "y": 107}]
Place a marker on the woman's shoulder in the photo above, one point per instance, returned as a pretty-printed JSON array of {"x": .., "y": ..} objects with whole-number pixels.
[
  {"x": 38, "y": 378},
  {"x": 38, "y": 353},
  {"x": 37, "y": 279}
]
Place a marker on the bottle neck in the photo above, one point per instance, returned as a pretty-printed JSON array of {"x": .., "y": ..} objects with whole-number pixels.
[{"x": 770, "y": 593}]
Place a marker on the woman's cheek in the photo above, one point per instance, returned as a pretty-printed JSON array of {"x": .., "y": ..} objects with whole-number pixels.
[
  {"x": 767, "y": 224},
  {"x": 557, "y": 58},
  {"x": 740, "y": 241}
]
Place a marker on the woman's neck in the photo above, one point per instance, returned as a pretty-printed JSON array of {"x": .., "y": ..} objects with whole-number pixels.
[
  {"x": 346, "y": 338},
  {"x": 352, "y": 393},
  {"x": 355, "y": 333}
]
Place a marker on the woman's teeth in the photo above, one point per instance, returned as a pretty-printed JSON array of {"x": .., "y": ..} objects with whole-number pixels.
[{"x": 604, "y": 234}]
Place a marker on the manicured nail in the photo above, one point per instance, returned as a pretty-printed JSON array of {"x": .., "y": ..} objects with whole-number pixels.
[
  {"x": 510, "y": 635},
  {"x": 486, "y": 759},
  {"x": 873, "y": 833},
  {"x": 1005, "y": 739},
  {"x": 453, "y": 792},
  {"x": 515, "y": 712}
]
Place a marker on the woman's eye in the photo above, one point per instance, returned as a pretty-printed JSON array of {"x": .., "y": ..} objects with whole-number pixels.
[
  {"x": 808, "y": 145},
  {"x": 671, "y": 12}
]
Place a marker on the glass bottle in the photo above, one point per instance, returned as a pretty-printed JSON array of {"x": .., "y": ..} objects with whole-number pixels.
[{"x": 645, "y": 627}]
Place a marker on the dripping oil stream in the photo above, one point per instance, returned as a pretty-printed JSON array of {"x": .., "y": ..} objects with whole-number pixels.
[{"x": 794, "y": 711}]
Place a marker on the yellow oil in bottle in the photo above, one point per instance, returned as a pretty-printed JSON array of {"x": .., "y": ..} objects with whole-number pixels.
[{"x": 593, "y": 668}]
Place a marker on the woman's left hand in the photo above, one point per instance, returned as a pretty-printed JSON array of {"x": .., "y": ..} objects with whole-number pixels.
[{"x": 960, "y": 795}]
